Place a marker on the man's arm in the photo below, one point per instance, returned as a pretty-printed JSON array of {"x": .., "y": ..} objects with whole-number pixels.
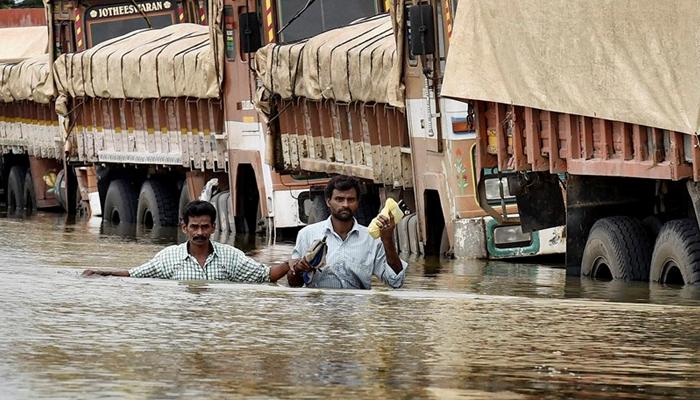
[
  {"x": 93, "y": 272},
  {"x": 150, "y": 269},
  {"x": 386, "y": 229},
  {"x": 278, "y": 271},
  {"x": 246, "y": 270},
  {"x": 298, "y": 265},
  {"x": 388, "y": 267}
]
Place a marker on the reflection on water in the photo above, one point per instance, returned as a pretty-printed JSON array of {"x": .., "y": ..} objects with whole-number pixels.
[{"x": 458, "y": 329}]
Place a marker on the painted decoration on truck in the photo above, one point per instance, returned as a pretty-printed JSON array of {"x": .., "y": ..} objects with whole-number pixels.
[{"x": 461, "y": 172}]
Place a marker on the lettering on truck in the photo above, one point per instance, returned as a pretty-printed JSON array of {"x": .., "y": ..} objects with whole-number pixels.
[{"x": 115, "y": 11}]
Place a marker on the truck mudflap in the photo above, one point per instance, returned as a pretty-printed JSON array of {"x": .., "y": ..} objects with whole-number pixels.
[{"x": 539, "y": 198}]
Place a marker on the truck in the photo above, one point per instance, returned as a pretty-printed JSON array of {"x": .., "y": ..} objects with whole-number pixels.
[
  {"x": 364, "y": 100},
  {"x": 28, "y": 124},
  {"x": 594, "y": 109},
  {"x": 154, "y": 100}
]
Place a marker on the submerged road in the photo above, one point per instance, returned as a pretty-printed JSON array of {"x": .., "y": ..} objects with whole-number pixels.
[{"x": 458, "y": 329}]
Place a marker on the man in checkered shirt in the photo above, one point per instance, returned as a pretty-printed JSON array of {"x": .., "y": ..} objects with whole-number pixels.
[{"x": 200, "y": 258}]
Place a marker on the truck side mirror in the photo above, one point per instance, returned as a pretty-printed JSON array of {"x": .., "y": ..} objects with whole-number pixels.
[
  {"x": 250, "y": 32},
  {"x": 422, "y": 29}
]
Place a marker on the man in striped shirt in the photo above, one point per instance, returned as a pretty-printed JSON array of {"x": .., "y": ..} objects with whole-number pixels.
[
  {"x": 353, "y": 255},
  {"x": 199, "y": 258}
]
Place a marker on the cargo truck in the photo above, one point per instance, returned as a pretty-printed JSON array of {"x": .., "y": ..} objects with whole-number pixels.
[
  {"x": 594, "y": 110},
  {"x": 364, "y": 100},
  {"x": 154, "y": 99},
  {"x": 29, "y": 134}
]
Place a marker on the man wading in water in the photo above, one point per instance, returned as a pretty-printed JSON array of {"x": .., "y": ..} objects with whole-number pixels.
[
  {"x": 353, "y": 255},
  {"x": 199, "y": 258}
]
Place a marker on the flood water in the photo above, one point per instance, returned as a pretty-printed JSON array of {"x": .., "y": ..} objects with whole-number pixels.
[{"x": 457, "y": 329}]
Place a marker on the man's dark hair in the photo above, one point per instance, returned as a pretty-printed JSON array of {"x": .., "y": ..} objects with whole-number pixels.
[
  {"x": 198, "y": 208},
  {"x": 342, "y": 183}
]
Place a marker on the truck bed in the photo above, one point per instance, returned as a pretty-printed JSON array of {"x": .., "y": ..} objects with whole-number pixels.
[
  {"x": 166, "y": 131},
  {"x": 365, "y": 140},
  {"x": 530, "y": 139}
]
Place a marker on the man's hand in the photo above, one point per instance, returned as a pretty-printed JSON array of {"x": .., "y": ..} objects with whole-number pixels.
[
  {"x": 300, "y": 265},
  {"x": 95, "y": 272},
  {"x": 386, "y": 233},
  {"x": 386, "y": 228}
]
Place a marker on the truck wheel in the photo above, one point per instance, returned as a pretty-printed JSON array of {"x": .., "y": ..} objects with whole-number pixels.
[
  {"x": 120, "y": 203},
  {"x": 617, "y": 248},
  {"x": 184, "y": 199},
  {"x": 222, "y": 212},
  {"x": 676, "y": 257},
  {"x": 653, "y": 225},
  {"x": 156, "y": 205},
  {"x": 15, "y": 188},
  {"x": 29, "y": 194},
  {"x": 413, "y": 237},
  {"x": 215, "y": 202},
  {"x": 402, "y": 241}
]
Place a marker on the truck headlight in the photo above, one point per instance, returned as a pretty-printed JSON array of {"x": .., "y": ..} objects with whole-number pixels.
[{"x": 510, "y": 236}]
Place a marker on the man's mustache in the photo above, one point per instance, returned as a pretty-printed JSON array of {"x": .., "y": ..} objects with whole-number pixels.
[{"x": 199, "y": 238}]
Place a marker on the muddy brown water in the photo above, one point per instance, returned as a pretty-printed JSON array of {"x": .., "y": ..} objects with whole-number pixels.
[{"x": 457, "y": 329}]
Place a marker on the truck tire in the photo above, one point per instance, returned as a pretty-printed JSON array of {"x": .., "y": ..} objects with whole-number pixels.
[
  {"x": 231, "y": 220},
  {"x": 617, "y": 248},
  {"x": 653, "y": 225},
  {"x": 29, "y": 194},
  {"x": 413, "y": 237},
  {"x": 15, "y": 188},
  {"x": 222, "y": 212},
  {"x": 120, "y": 203},
  {"x": 60, "y": 191},
  {"x": 156, "y": 205},
  {"x": 215, "y": 202},
  {"x": 677, "y": 252},
  {"x": 402, "y": 241},
  {"x": 184, "y": 199}
]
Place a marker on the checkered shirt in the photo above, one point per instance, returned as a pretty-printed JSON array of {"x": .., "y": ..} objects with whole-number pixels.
[
  {"x": 224, "y": 263},
  {"x": 350, "y": 263}
]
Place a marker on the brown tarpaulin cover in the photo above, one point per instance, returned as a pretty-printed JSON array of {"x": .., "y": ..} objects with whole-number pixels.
[
  {"x": 27, "y": 80},
  {"x": 24, "y": 65},
  {"x": 176, "y": 61},
  {"x": 17, "y": 44},
  {"x": 632, "y": 61},
  {"x": 358, "y": 62}
]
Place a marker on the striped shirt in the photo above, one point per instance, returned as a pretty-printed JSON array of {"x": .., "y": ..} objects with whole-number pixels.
[
  {"x": 350, "y": 263},
  {"x": 224, "y": 263}
]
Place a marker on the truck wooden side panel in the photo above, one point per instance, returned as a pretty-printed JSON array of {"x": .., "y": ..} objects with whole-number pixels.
[
  {"x": 369, "y": 141},
  {"x": 31, "y": 128},
  {"x": 166, "y": 131},
  {"x": 529, "y": 139}
]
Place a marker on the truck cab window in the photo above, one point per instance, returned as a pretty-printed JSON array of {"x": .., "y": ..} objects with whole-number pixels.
[
  {"x": 105, "y": 22},
  {"x": 321, "y": 16}
]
